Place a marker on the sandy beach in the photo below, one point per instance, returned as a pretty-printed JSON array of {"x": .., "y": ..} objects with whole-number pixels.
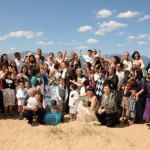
[{"x": 18, "y": 135}]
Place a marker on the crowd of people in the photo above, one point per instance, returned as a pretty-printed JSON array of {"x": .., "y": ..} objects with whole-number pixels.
[{"x": 91, "y": 88}]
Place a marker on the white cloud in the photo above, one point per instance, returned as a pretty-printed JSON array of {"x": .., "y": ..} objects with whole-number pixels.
[
  {"x": 104, "y": 13},
  {"x": 121, "y": 33},
  {"x": 18, "y": 34},
  {"x": 12, "y": 48},
  {"x": 92, "y": 41},
  {"x": 109, "y": 27},
  {"x": 85, "y": 28},
  {"x": 142, "y": 43},
  {"x": 121, "y": 45},
  {"x": 146, "y": 17},
  {"x": 128, "y": 14},
  {"x": 81, "y": 47},
  {"x": 140, "y": 36},
  {"x": 44, "y": 43}
]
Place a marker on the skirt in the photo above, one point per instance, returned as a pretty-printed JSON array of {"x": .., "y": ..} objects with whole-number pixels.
[
  {"x": 146, "y": 115},
  {"x": 9, "y": 97}
]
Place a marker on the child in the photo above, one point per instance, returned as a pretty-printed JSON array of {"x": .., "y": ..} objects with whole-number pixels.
[
  {"x": 21, "y": 98},
  {"x": 131, "y": 108},
  {"x": 124, "y": 103},
  {"x": 62, "y": 95},
  {"x": 53, "y": 113},
  {"x": 73, "y": 101}
]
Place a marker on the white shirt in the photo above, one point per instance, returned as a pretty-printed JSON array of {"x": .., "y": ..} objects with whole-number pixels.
[
  {"x": 64, "y": 73},
  {"x": 32, "y": 102},
  {"x": 73, "y": 97},
  {"x": 19, "y": 65},
  {"x": 120, "y": 78},
  {"x": 89, "y": 58},
  {"x": 58, "y": 94},
  {"x": 127, "y": 65},
  {"x": 20, "y": 93}
]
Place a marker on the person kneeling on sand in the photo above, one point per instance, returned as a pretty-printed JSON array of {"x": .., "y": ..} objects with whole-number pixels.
[
  {"x": 32, "y": 106},
  {"x": 108, "y": 113}
]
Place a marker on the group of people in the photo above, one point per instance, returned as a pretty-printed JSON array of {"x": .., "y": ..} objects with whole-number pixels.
[{"x": 91, "y": 88}]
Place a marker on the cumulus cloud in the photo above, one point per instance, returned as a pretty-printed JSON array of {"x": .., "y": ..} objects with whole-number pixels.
[
  {"x": 142, "y": 43},
  {"x": 121, "y": 45},
  {"x": 109, "y": 27},
  {"x": 128, "y": 14},
  {"x": 140, "y": 36},
  {"x": 85, "y": 28},
  {"x": 146, "y": 17},
  {"x": 18, "y": 34},
  {"x": 92, "y": 41},
  {"x": 104, "y": 13},
  {"x": 44, "y": 43}
]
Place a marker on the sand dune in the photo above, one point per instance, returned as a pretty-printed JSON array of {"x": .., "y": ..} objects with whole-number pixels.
[{"x": 18, "y": 135}]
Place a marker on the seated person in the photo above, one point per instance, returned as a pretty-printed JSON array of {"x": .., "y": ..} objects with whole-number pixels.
[
  {"x": 53, "y": 113},
  {"x": 108, "y": 113}
]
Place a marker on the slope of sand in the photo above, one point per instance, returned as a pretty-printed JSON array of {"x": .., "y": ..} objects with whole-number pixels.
[{"x": 18, "y": 135}]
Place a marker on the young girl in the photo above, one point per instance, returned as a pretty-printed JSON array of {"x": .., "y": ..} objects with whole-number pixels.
[
  {"x": 53, "y": 113},
  {"x": 131, "y": 112},
  {"x": 73, "y": 101},
  {"x": 21, "y": 93},
  {"x": 124, "y": 103}
]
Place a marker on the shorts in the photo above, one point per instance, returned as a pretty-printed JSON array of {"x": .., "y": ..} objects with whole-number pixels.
[
  {"x": 124, "y": 102},
  {"x": 130, "y": 114},
  {"x": 73, "y": 110},
  {"x": 20, "y": 102}
]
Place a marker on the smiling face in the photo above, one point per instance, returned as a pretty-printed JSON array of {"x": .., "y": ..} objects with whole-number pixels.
[
  {"x": 107, "y": 90},
  {"x": 136, "y": 56}
]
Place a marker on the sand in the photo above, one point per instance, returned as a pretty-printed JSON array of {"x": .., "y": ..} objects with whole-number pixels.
[{"x": 19, "y": 135}]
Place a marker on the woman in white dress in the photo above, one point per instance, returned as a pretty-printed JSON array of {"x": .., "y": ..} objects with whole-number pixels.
[{"x": 86, "y": 111}]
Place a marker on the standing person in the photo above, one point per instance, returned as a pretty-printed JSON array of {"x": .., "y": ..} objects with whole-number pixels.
[
  {"x": 146, "y": 115},
  {"x": 67, "y": 74},
  {"x": 19, "y": 62},
  {"x": 136, "y": 60},
  {"x": 73, "y": 102},
  {"x": 62, "y": 95},
  {"x": 4, "y": 59},
  {"x": 113, "y": 79},
  {"x": 23, "y": 75},
  {"x": 13, "y": 68},
  {"x": 100, "y": 84},
  {"x": 108, "y": 113},
  {"x": 8, "y": 93},
  {"x": 140, "y": 96},
  {"x": 127, "y": 64},
  {"x": 120, "y": 74},
  {"x": 124, "y": 102},
  {"x": 131, "y": 112},
  {"x": 60, "y": 57},
  {"x": 21, "y": 98},
  {"x": 39, "y": 58},
  {"x": 1, "y": 97}
]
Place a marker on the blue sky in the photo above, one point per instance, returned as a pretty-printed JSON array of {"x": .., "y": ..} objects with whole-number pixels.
[{"x": 113, "y": 26}]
